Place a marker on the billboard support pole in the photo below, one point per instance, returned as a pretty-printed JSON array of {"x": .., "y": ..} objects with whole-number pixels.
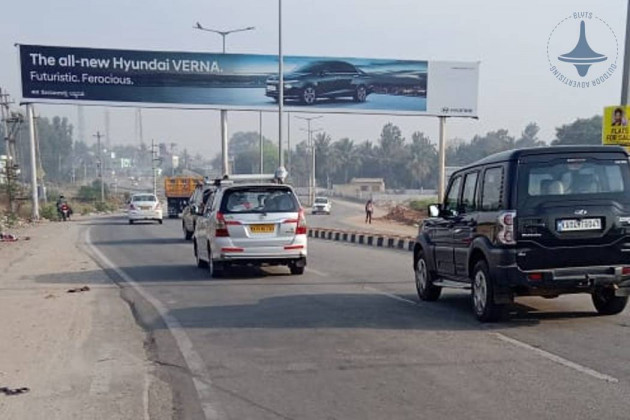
[
  {"x": 31, "y": 130},
  {"x": 224, "y": 143},
  {"x": 280, "y": 83},
  {"x": 442, "y": 160}
]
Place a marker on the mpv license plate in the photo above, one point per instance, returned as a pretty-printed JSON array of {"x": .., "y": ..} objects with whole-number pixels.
[
  {"x": 145, "y": 207},
  {"x": 261, "y": 228},
  {"x": 271, "y": 88},
  {"x": 570, "y": 225}
]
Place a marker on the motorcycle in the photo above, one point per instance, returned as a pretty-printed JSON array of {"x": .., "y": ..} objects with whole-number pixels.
[{"x": 64, "y": 211}]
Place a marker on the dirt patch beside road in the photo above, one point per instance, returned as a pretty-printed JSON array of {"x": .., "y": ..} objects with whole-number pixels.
[{"x": 80, "y": 354}]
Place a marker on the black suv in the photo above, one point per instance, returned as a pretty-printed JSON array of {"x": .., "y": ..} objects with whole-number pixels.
[
  {"x": 322, "y": 79},
  {"x": 534, "y": 222}
]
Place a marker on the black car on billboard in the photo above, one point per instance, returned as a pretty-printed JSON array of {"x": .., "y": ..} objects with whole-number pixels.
[{"x": 322, "y": 79}]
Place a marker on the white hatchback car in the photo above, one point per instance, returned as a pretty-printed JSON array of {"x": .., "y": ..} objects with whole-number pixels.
[
  {"x": 321, "y": 205},
  {"x": 144, "y": 207},
  {"x": 252, "y": 224}
]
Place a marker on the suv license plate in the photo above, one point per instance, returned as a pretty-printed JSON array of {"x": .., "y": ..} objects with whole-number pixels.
[
  {"x": 570, "y": 225},
  {"x": 262, "y": 228},
  {"x": 271, "y": 88}
]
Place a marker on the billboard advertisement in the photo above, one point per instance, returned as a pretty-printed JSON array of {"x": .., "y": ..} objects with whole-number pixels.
[
  {"x": 615, "y": 128},
  {"x": 249, "y": 81}
]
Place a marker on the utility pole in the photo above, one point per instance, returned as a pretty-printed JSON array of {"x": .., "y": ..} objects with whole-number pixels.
[
  {"x": 4, "y": 115},
  {"x": 154, "y": 159},
  {"x": 261, "y": 145},
  {"x": 312, "y": 183},
  {"x": 288, "y": 167},
  {"x": 442, "y": 160},
  {"x": 98, "y": 136}
]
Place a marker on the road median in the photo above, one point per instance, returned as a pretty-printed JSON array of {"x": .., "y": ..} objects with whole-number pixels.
[{"x": 373, "y": 239}]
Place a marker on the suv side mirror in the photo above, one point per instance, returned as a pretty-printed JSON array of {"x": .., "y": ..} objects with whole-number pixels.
[{"x": 435, "y": 210}]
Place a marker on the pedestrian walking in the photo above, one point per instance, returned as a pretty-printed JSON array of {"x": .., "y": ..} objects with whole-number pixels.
[{"x": 369, "y": 209}]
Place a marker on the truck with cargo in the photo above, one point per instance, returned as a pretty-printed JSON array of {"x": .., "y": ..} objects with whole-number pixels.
[{"x": 178, "y": 190}]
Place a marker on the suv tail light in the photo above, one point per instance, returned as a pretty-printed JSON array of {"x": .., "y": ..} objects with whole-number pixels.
[
  {"x": 222, "y": 230},
  {"x": 301, "y": 223},
  {"x": 506, "y": 234}
]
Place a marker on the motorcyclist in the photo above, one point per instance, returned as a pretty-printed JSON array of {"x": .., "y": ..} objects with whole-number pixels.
[{"x": 60, "y": 202}]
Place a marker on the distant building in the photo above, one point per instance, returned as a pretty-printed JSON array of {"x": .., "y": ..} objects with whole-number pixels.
[{"x": 360, "y": 187}]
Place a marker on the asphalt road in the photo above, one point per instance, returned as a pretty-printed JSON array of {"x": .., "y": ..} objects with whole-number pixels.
[{"x": 349, "y": 340}]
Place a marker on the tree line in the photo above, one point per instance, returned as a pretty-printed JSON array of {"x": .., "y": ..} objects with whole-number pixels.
[{"x": 403, "y": 163}]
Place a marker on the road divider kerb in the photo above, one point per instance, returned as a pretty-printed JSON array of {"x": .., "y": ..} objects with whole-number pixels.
[{"x": 377, "y": 240}]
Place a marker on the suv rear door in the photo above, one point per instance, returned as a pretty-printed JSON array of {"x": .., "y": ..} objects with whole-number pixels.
[{"x": 570, "y": 208}]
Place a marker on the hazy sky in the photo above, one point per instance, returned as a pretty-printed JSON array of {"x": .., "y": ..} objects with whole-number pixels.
[{"x": 509, "y": 37}]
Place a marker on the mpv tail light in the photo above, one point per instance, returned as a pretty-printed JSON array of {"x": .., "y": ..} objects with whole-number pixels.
[
  {"x": 507, "y": 233},
  {"x": 221, "y": 231},
  {"x": 301, "y": 223}
]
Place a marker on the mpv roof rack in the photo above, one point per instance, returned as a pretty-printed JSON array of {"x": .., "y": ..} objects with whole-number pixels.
[{"x": 277, "y": 177}]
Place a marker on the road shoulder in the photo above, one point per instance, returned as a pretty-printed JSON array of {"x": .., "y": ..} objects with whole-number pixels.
[{"x": 80, "y": 354}]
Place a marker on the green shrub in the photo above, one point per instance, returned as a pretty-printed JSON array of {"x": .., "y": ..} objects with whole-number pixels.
[
  {"x": 49, "y": 211},
  {"x": 104, "y": 206},
  {"x": 421, "y": 205}
]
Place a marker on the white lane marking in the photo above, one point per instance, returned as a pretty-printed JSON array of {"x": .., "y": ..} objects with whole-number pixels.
[
  {"x": 557, "y": 359},
  {"x": 317, "y": 272},
  {"x": 145, "y": 396},
  {"x": 196, "y": 366},
  {"x": 547, "y": 355},
  {"x": 392, "y": 295}
]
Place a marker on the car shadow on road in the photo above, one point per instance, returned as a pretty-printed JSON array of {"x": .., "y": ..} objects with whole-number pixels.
[
  {"x": 367, "y": 309},
  {"x": 321, "y": 311},
  {"x": 143, "y": 241}
]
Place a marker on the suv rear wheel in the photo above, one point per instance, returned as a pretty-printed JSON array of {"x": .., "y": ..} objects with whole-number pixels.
[
  {"x": 607, "y": 303},
  {"x": 484, "y": 307},
  {"x": 424, "y": 280}
]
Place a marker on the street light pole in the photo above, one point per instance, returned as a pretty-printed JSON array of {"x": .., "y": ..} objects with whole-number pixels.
[
  {"x": 280, "y": 83},
  {"x": 224, "y": 128}
]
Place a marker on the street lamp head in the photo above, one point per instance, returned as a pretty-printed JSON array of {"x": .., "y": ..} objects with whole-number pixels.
[{"x": 198, "y": 26}]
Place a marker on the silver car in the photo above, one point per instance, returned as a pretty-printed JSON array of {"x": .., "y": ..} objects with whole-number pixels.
[{"x": 252, "y": 224}]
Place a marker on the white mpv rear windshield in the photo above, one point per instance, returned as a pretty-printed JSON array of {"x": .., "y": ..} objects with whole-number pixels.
[{"x": 261, "y": 199}]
